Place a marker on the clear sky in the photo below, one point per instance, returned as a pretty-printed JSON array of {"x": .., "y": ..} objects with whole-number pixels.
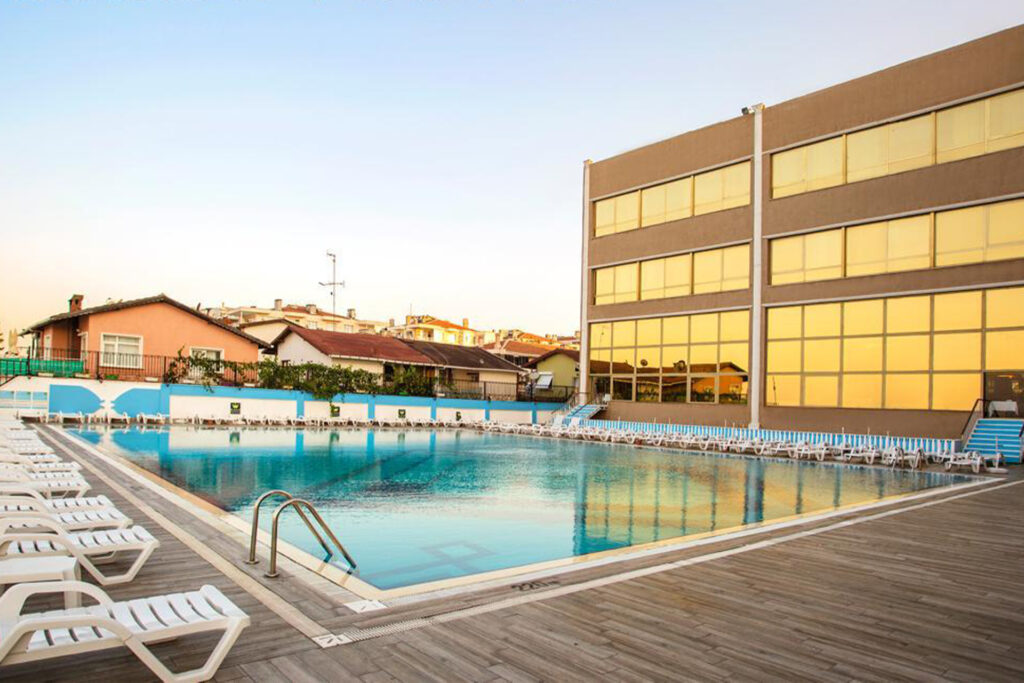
[{"x": 214, "y": 150}]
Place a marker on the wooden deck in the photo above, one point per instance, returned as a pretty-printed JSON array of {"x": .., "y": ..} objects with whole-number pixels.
[{"x": 933, "y": 592}]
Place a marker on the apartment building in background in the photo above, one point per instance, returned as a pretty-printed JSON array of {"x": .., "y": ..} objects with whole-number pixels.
[
  {"x": 268, "y": 323},
  {"x": 852, "y": 258}
]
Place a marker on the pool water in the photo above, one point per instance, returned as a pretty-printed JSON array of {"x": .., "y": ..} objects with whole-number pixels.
[{"x": 423, "y": 505}]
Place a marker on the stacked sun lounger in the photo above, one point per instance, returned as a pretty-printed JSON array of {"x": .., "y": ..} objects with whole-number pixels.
[{"x": 50, "y": 531}]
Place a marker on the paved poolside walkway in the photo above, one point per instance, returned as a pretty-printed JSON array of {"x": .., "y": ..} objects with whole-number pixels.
[{"x": 934, "y": 590}]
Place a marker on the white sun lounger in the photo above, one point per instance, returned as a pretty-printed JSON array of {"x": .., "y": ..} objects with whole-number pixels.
[
  {"x": 36, "y": 465},
  {"x": 134, "y": 624},
  {"x": 11, "y": 507},
  {"x": 50, "y": 484},
  {"x": 55, "y": 504},
  {"x": 17, "y": 570},
  {"x": 101, "y": 545}
]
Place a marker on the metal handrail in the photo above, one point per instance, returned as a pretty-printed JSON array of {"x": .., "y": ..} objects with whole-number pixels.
[
  {"x": 972, "y": 419},
  {"x": 302, "y": 515},
  {"x": 296, "y": 503}
]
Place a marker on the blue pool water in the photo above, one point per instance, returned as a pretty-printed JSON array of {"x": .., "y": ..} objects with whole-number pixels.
[{"x": 422, "y": 505}]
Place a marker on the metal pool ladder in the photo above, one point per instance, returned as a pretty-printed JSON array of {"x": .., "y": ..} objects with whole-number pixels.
[{"x": 298, "y": 504}]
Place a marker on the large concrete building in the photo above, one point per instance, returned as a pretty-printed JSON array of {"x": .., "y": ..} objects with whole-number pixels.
[{"x": 852, "y": 258}]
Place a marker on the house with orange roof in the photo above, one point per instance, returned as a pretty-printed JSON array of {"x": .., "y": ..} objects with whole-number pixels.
[{"x": 429, "y": 328}]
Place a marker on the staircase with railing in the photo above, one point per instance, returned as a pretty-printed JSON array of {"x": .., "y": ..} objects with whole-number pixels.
[{"x": 993, "y": 435}]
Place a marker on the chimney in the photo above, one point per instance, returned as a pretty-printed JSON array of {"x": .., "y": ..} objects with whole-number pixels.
[
  {"x": 391, "y": 322},
  {"x": 311, "y": 309},
  {"x": 465, "y": 322},
  {"x": 352, "y": 313},
  {"x": 278, "y": 304},
  {"x": 75, "y": 303}
]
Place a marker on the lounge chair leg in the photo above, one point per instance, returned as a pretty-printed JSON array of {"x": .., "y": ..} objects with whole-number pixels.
[{"x": 203, "y": 673}]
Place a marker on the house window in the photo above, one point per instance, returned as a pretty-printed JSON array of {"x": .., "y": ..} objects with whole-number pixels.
[
  {"x": 311, "y": 325},
  {"x": 121, "y": 351},
  {"x": 207, "y": 353}
]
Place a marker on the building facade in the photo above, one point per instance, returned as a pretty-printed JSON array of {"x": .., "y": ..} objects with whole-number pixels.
[
  {"x": 852, "y": 258},
  {"x": 267, "y": 323}
]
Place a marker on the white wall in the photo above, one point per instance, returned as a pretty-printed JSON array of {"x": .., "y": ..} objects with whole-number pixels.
[
  {"x": 297, "y": 350},
  {"x": 220, "y": 406}
]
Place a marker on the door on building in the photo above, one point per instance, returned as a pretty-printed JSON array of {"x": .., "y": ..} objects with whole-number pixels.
[{"x": 1005, "y": 387}]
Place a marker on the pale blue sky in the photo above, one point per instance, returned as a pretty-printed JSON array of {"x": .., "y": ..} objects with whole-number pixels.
[{"x": 214, "y": 150}]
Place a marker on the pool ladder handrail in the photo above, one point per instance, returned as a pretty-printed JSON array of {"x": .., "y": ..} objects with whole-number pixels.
[{"x": 298, "y": 504}]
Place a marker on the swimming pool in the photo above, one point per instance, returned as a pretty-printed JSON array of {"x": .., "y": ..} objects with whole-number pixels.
[{"x": 419, "y": 506}]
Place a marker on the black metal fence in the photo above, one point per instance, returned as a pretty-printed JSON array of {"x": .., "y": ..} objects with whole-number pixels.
[{"x": 149, "y": 368}]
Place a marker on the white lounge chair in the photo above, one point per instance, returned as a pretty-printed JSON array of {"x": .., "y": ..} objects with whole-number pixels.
[
  {"x": 55, "y": 504},
  {"x": 971, "y": 459},
  {"x": 13, "y": 507},
  {"x": 134, "y": 624},
  {"x": 101, "y": 545},
  {"x": 50, "y": 484}
]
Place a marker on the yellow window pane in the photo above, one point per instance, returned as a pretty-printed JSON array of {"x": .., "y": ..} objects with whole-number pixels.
[
  {"x": 677, "y": 275},
  {"x": 652, "y": 279},
  {"x": 1004, "y": 350},
  {"x": 908, "y": 314},
  {"x": 625, "y": 282},
  {"x": 704, "y": 328},
  {"x": 866, "y": 247},
  {"x": 862, "y": 391},
  {"x": 1005, "y": 230},
  {"x": 623, "y": 360},
  {"x": 784, "y": 356},
  {"x": 676, "y": 330},
  {"x": 784, "y": 322},
  {"x": 624, "y": 333},
  {"x": 822, "y": 320},
  {"x": 957, "y": 311},
  {"x": 675, "y": 359},
  {"x": 960, "y": 132},
  {"x": 1004, "y": 307},
  {"x": 648, "y": 332},
  {"x": 862, "y": 354},
  {"x": 955, "y": 392},
  {"x": 825, "y": 164},
  {"x": 903, "y": 354},
  {"x": 787, "y": 260},
  {"x": 1006, "y": 121},
  {"x": 909, "y": 392},
  {"x": 960, "y": 236},
  {"x": 707, "y": 271},
  {"x": 867, "y": 154},
  {"x": 604, "y": 286},
  {"x": 823, "y": 255},
  {"x": 735, "y": 326},
  {"x": 910, "y": 243},
  {"x": 782, "y": 390},
  {"x": 627, "y": 212},
  {"x": 601, "y": 335},
  {"x": 707, "y": 192},
  {"x": 821, "y": 355},
  {"x": 736, "y": 268},
  {"x": 958, "y": 351},
  {"x": 604, "y": 217},
  {"x": 911, "y": 143},
  {"x": 821, "y": 391},
  {"x": 734, "y": 357},
  {"x": 679, "y": 199},
  {"x": 652, "y": 205},
  {"x": 863, "y": 317},
  {"x": 648, "y": 359},
  {"x": 703, "y": 357},
  {"x": 788, "y": 174},
  {"x": 600, "y": 361},
  {"x": 736, "y": 185}
]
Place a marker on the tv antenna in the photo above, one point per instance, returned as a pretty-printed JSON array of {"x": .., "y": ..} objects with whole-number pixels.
[{"x": 333, "y": 284}]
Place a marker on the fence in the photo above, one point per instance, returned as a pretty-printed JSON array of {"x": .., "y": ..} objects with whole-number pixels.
[{"x": 72, "y": 363}]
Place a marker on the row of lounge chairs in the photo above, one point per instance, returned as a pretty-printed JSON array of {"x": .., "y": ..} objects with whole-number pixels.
[
  {"x": 849, "y": 452},
  {"x": 158, "y": 419},
  {"x": 50, "y": 532}
]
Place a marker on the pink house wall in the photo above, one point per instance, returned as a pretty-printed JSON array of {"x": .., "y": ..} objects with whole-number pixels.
[{"x": 165, "y": 330}]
